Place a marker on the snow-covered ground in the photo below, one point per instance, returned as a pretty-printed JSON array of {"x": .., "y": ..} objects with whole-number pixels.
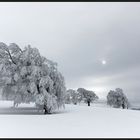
[{"x": 75, "y": 121}]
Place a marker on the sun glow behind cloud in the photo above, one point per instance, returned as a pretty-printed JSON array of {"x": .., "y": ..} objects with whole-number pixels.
[{"x": 103, "y": 62}]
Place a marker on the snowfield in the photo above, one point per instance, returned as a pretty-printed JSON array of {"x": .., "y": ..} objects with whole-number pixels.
[{"x": 75, "y": 121}]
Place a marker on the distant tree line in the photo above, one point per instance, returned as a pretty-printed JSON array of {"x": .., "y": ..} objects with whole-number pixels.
[
  {"x": 116, "y": 99},
  {"x": 79, "y": 95}
]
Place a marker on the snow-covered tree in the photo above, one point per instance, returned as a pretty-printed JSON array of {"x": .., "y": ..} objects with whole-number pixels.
[
  {"x": 27, "y": 76},
  {"x": 68, "y": 98},
  {"x": 80, "y": 97},
  {"x": 71, "y": 96},
  {"x": 117, "y": 99},
  {"x": 87, "y": 95}
]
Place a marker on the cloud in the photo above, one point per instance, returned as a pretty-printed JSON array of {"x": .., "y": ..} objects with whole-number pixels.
[{"x": 78, "y": 36}]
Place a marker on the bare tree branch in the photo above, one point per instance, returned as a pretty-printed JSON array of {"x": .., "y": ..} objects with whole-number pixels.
[{"x": 11, "y": 57}]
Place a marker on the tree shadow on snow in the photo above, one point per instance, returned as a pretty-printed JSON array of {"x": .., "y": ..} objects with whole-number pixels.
[
  {"x": 26, "y": 111},
  {"x": 60, "y": 112},
  {"x": 20, "y": 111}
]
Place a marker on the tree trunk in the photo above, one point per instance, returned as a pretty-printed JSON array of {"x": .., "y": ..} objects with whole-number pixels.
[
  {"x": 88, "y": 103},
  {"x": 14, "y": 104},
  {"x": 127, "y": 106},
  {"x": 123, "y": 106},
  {"x": 46, "y": 110}
]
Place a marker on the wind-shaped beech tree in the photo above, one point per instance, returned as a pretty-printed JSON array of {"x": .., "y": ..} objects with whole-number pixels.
[
  {"x": 87, "y": 95},
  {"x": 26, "y": 77},
  {"x": 117, "y": 99}
]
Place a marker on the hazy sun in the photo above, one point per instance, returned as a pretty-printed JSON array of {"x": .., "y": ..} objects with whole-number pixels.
[{"x": 103, "y": 62}]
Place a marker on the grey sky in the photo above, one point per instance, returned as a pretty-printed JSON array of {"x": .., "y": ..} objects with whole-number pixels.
[{"x": 78, "y": 36}]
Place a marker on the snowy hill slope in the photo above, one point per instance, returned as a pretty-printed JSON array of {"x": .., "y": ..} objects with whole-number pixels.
[{"x": 75, "y": 121}]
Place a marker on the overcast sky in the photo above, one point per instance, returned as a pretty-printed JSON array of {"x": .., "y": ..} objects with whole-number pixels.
[{"x": 96, "y": 44}]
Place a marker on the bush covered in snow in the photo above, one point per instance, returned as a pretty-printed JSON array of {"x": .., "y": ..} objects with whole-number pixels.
[
  {"x": 117, "y": 99},
  {"x": 26, "y": 77}
]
